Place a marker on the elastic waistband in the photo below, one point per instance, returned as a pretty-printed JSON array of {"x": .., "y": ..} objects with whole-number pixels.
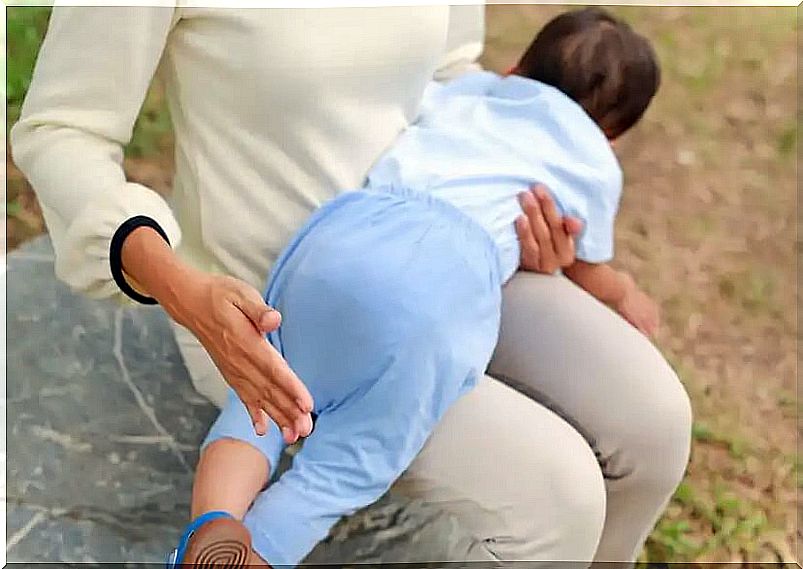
[{"x": 403, "y": 194}]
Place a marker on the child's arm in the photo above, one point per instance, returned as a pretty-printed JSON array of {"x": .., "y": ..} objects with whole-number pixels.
[{"x": 618, "y": 290}]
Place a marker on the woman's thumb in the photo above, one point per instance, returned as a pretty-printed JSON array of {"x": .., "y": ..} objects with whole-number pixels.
[
  {"x": 264, "y": 317},
  {"x": 268, "y": 319}
]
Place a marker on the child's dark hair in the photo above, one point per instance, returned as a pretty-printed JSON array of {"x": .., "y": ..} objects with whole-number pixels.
[{"x": 598, "y": 61}]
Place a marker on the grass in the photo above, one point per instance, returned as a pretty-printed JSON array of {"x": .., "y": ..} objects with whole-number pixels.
[
  {"x": 26, "y": 27},
  {"x": 706, "y": 226},
  {"x": 736, "y": 445}
]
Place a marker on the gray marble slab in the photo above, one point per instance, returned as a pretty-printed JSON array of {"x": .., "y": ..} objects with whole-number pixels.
[{"x": 103, "y": 428}]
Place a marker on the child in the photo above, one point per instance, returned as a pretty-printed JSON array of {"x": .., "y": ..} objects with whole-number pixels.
[{"x": 391, "y": 295}]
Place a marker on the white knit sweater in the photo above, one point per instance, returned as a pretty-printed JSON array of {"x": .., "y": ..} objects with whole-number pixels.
[{"x": 275, "y": 111}]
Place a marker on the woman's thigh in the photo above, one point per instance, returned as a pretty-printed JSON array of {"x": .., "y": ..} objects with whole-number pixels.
[
  {"x": 517, "y": 478},
  {"x": 563, "y": 348}
]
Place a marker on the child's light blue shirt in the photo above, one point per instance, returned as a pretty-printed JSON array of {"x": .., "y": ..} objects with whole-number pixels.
[{"x": 481, "y": 139}]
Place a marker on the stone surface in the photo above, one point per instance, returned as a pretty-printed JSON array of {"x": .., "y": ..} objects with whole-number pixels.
[{"x": 103, "y": 428}]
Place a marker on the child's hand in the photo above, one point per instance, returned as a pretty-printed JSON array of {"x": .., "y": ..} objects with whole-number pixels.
[{"x": 640, "y": 310}]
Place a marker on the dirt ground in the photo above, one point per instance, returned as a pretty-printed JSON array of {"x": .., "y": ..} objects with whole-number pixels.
[{"x": 708, "y": 227}]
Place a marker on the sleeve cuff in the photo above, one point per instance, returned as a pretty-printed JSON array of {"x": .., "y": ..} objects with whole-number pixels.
[
  {"x": 84, "y": 249},
  {"x": 115, "y": 254}
]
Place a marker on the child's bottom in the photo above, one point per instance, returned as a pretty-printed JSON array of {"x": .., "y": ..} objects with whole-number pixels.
[{"x": 390, "y": 305}]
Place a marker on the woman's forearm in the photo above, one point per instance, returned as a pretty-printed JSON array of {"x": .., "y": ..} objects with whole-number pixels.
[
  {"x": 77, "y": 117},
  {"x": 151, "y": 267}
]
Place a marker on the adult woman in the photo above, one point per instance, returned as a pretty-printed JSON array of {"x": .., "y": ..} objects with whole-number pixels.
[{"x": 274, "y": 112}]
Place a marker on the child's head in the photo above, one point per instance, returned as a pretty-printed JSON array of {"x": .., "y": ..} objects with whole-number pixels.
[{"x": 598, "y": 61}]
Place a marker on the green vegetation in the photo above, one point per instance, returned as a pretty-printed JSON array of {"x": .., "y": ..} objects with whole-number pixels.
[{"x": 26, "y": 27}]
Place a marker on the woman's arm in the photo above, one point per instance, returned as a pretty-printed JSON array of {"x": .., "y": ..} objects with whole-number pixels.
[
  {"x": 114, "y": 238},
  {"x": 464, "y": 41},
  {"x": 90, "y": 80}
]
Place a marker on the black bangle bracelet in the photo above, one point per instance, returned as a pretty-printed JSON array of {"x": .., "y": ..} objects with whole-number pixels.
[{"x": 116, "y": 249}]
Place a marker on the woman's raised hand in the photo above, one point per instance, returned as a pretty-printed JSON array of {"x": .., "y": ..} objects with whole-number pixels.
[
  {"x": 546, "y": 238},
  {"x": 229, "y": 318}
]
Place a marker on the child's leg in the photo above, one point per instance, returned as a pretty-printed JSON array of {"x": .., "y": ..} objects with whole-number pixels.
[
  {"x": 359, "y": 447},
  {"x": 390, "y": 311},
  {"x": 235, "y": 462},
  {"x": 235, "y": 465},
  {"x": 229, "y": 476}
]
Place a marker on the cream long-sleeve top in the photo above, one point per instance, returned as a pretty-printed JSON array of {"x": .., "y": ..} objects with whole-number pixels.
[{"x": 275, "y": 111}]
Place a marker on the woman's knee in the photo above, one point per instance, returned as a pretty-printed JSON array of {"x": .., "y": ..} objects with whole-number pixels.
[
  {"x": 598, "y": 372},
  {"x": 658, "y": 434},
  {"x": 518, "y": 478},
  {"x": 577, "y": 499},
  {"x": 560, "y": 508}
]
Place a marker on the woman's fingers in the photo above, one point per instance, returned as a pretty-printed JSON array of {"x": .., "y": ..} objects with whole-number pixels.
[
  {"x": 572, "y": 225},
  {"x": 547, "y": 262},
  {"x": 285, "y": 391},
  {"x": 262, "y": 409},
  {"x": 548, "y": 209},
  {"x": 289, "y": 433},
  {"x": 275, "y": 366},
  {"x": 528, "y": 244},
  {"x": 297, "y": 419},
  {"x": 230, "y": 318},
  {"x": 249, "y": 382},
  {"x": 279, "y": 384},
  {"x": 258, "y": 416},
  {"x": 562, "y": 241}
]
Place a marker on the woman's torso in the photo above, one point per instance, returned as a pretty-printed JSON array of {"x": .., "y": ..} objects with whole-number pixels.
[{"x": 276, "y": 111}]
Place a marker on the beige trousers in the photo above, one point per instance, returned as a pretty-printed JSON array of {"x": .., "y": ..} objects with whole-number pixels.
[{"x": 570, "y": 454}]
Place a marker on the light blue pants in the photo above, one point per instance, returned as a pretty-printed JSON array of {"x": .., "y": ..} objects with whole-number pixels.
[{"x": 390, "y": 304}]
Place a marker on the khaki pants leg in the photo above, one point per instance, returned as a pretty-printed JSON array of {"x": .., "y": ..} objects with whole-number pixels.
[
  {"x": 563, "y": 348},
  {"x": 515, "y": 475}
]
